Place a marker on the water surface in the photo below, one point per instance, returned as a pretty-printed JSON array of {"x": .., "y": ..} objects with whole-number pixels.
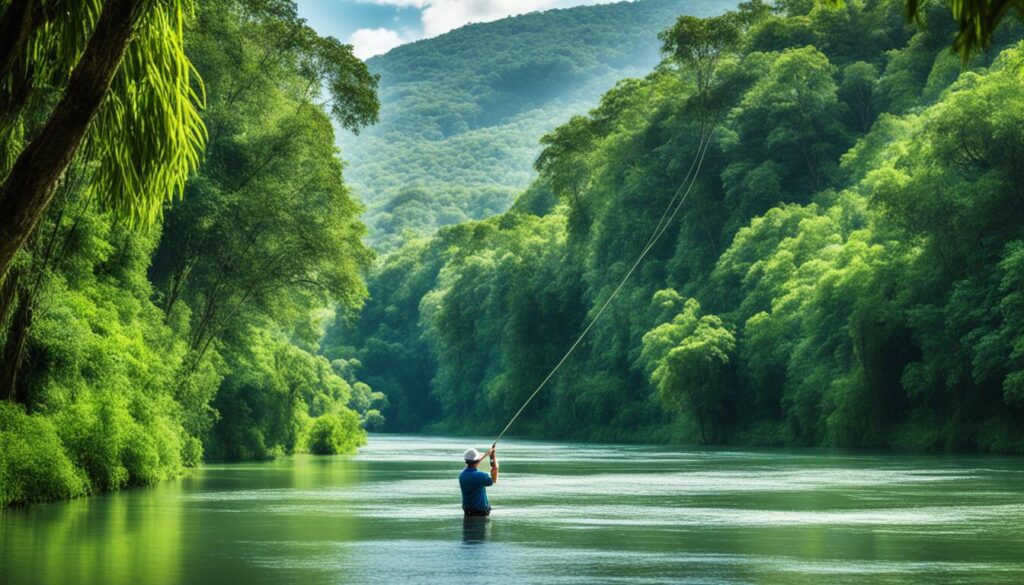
[{"x": 564, "y": 513}]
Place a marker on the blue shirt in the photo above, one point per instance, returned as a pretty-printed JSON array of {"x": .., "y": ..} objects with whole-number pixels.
[{"x": 474, "y": 496}]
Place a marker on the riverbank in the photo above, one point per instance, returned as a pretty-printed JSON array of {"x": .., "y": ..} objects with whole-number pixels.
[{"x": 97, "y": 449}]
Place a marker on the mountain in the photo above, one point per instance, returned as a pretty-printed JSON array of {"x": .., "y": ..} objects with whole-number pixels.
[{"x": 461, "y": 114}]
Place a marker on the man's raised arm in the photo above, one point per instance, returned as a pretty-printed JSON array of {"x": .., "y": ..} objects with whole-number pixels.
[{"x": 494, "y": 464}]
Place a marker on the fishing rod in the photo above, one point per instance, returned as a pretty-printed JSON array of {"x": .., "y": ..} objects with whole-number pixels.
[{"x": 702, "y": 149}]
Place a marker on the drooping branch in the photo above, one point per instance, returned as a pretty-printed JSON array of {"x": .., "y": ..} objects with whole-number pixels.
[{"x": 29, "y": 187}]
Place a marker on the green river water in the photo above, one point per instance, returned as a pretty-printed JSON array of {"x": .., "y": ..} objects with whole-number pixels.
[{"x": 563, "y": 513}]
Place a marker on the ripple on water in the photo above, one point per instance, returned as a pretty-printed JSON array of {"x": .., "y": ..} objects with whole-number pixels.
[
  {"x": 564, "y": 514},
  {"x": 421, "y": 561},
  {"x": 612, "y": 484}
]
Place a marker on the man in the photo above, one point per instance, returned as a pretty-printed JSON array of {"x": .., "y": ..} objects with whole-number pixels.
[{"x": 473, "y": 482}]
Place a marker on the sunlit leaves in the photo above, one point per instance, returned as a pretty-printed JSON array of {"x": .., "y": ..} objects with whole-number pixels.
[
  {"x": 148, "y": 135},
  {"x": 563, "y": 162},
  {"x": 687, "y": 359},
  {"x": 699, "y": 43}
]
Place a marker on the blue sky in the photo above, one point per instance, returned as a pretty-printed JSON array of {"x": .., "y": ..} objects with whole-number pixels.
[{"x": 376, "y": 26}]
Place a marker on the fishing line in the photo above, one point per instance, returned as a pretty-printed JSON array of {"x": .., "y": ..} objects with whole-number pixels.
[{"x": 663, "y": 223}]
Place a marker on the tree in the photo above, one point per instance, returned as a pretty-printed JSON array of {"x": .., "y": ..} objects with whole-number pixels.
[
  {"x": 791, "y": 116},
  {"x": 268, "y": 227},
  {"x": 687, "y": 360},
  {"x": 563, "y": 162},
  {"x": 857, "y": 89},
  {"x": 130, "y": 95},
  {"x": 698, "y": 45}
]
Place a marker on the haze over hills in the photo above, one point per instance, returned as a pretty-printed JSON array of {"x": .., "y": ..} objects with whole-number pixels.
[{"x": 461, "y": 114}]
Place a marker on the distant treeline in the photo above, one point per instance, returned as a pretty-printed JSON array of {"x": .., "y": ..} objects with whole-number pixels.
[{"x": 847, "y": 270}]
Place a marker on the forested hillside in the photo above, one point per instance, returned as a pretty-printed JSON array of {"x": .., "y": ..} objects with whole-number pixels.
[
  {"x": 847, "y": 269},
  {"x": 461, "y": 113},
  {"x": 130, "y": 352}
]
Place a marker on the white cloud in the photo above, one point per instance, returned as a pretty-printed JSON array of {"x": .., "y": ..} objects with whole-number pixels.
[
  {"x": 441, "y": 16},
  {"x": 367, "y": 42},
  {"x": 398, "y": 3}
]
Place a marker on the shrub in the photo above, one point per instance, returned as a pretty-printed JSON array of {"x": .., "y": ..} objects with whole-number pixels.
[
  {"x": 373, "y": 419},
  {"x": 115, "y": 447},
  {"x": 339, "y": 432},
  {"x": 34, "y": 466},
  {"x": 192, "y": 452},
  {"x": 93, "y": 428}
]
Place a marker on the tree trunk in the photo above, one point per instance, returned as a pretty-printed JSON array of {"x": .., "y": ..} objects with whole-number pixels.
[
  {"x": 29, "y": 187},
  {"x": 14, "y": 350},
  {"x": 8, "y": 293},
  {"x": 700, "y": 421},
  {"x": 16, "y": 26}
]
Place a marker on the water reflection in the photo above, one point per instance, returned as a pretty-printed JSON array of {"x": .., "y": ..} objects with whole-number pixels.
[{"x": 476, "y": 529}]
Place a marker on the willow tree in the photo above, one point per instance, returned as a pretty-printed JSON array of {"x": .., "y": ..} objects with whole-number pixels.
[{"x": 127, "y": 91}]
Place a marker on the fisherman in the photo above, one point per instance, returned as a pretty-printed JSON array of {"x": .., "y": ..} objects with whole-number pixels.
[{"x": 473, "y": 481}]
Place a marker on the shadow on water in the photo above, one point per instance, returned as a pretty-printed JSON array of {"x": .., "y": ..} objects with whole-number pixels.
[{"x": 475, "y": 529}]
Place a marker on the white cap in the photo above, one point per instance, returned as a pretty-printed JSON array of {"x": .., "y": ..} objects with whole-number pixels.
[{"x": 472, "y": 455}]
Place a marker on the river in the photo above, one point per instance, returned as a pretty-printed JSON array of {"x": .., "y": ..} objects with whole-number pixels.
[{"x": 563, "y": 513}]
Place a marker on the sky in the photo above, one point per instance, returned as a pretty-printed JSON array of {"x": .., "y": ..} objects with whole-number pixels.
[{"x": 374, "y": 27}]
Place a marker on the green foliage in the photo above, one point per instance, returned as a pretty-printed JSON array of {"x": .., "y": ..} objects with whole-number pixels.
[
  {"x": 268, "y": 233},
  {"x": 687, "y": 359},
  {"x": 461, "y": 112},
  {"x": 192, "y": 452},
  {"x": 368, "y": 404},
  {"x": 845, "y": 270},
  {"x": 100, "y": 364},
  {"x": 857, "y": 90},
  {"x": 133, "y": 355},
  {"x": 698, "y": 44},
  {"x": 562, "y": 163},
  {"x": 148, "y": 136},
  {"x": 791, "y": 116},
  {"x": 336, "y": 434},
  {"x": 394, "y": 356},
  {"x": 34, "y": 466},
  {"x": 271, "y": 385}
]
